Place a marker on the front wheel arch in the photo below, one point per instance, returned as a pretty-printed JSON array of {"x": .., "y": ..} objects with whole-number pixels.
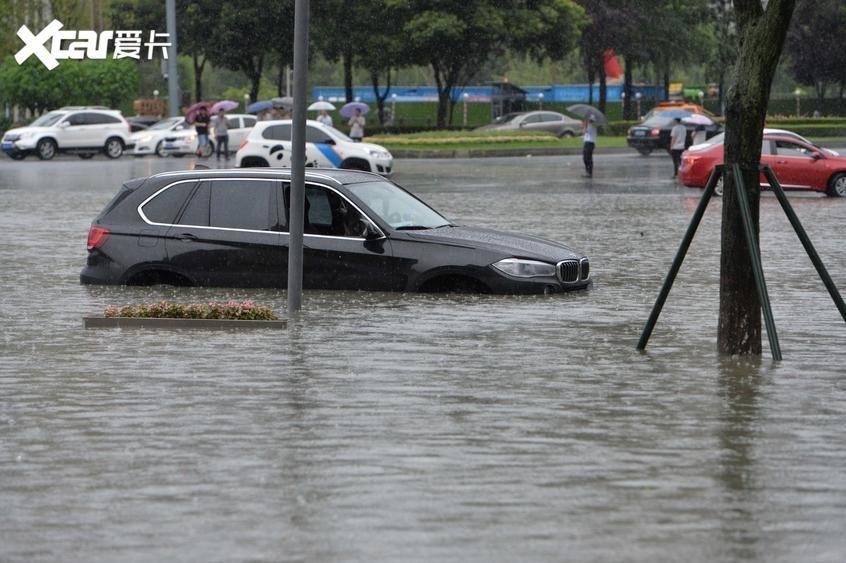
[
  {"x": 157, "y": 276},
  {"x": 356, "y": 164},
  {"x": 453, "y": 283},
  {"x": 837, "y": 185}
]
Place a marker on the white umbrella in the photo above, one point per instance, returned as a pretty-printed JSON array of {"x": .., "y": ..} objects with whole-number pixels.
[
  {"x": 697, "y": 119},
  {"x": 321, "y": 105}
]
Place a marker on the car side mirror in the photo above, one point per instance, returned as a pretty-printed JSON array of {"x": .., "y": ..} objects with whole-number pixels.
[
  {"x": 816, "y": 155},
  {"x": 329, "y": 141},
  {"x": 522, "y": 124},
  {"x": 369, "y": 230},
  {"x": 63, "y": 124}
]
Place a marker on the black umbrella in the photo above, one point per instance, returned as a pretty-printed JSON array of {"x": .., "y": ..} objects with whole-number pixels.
[{"x": 585, "y": 111}]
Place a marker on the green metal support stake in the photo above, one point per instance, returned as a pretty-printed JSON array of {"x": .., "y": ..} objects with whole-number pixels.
[
  {"x": 755, "y": 259},
  {"x": 680, "y": 255},
  {"x": 806, "y": 241}
]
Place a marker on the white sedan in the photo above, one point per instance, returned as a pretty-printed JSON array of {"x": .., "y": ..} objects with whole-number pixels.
[
  {"x": 269, "y": 144},
  {"x": 152, "y": 140}
]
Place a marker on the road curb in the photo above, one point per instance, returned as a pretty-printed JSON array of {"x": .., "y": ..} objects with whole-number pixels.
[{"x": 491, "y": 153}]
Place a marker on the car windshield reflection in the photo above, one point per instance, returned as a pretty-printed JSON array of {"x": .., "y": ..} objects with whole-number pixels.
[
  {"x": 166, "y": 123},
  {"x": 396, "y": 207}
]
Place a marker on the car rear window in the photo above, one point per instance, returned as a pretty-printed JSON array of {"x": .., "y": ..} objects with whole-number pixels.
[
  {"x": 164, "y": 207},
  {"x": 197, "y": 211}
]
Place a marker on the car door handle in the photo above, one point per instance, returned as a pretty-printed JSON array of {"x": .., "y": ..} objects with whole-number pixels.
[
  {"x": 187, "y": 237},
  {"x": 781, "y": 162}
]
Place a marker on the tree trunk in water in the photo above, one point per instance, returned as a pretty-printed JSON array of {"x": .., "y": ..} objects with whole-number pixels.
[
  {"x": 380, "y": 96},
  {"x": 761, "y": 38},
  {"x": 666, "y": 83},
  {"x": 722, "y": 96},
  {"x": 198, "y": 77},
  {"x": 348, "y": 79},
  {"x": 627, "y": 89}
]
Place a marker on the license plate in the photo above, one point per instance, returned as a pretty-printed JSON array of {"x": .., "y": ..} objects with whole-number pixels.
[
  {"x": 169, "y": 147},
  {"x": 7, "y": 146},
  {"x": 639, "y": 133}
]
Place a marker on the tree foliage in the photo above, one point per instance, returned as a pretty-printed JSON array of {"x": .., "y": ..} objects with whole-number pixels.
[
  {"x": 817, "y": 60},
  {"x": 107, "y": 82}
]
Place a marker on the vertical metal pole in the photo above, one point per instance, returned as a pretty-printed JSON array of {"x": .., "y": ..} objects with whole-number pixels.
[
  {"x": 287, "y": 80},
  {"x": 680, "y": 254},
  {"x": 755, "y": 260},
  {"x": 295, "y": 245},
  {"x": 806, "y": 241},
  {"x": 173, "y": 101}
]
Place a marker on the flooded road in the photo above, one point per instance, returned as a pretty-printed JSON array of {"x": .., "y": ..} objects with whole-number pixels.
[{"x": 389, "y": 427}]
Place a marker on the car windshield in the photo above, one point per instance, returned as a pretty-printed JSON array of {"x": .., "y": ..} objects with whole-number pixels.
[
  {"x": 658, "y": 121},
  {"x": 166, "y": 123},
  {"x": 396, "y": 207},
  {"x": 47, "y": 119},
  {"x": 337, "y": 134}
]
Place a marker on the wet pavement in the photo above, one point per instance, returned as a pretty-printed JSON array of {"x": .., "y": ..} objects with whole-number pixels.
[{"x": 398, "y": 427}]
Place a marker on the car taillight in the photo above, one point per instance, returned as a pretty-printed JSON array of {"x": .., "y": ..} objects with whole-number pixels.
[
  {"x": 689, "y": 160},
  {"x": 97, "y": 236},
  {"x": 655, "y": 132},
  {"x": 243, "y": 144}
]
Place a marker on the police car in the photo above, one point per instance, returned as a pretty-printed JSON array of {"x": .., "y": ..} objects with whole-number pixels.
[{"x": 269, "y": 144}]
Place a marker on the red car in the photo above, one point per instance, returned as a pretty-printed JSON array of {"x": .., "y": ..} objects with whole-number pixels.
[{"x": 797, "y": 165}]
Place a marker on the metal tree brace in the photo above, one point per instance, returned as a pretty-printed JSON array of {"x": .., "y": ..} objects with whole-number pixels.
[{"x": 754, "y": 255}]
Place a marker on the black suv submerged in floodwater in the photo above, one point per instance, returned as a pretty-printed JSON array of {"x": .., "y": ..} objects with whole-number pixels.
[{"x": 229, "y": 228}]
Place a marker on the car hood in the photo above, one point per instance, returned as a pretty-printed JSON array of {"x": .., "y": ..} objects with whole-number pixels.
[
  {"x": 157, "y": 134},
  {"x": 508, "y": 245},
  {"x": 365, "y": 147},
  {"x": 18, "y": 131}
]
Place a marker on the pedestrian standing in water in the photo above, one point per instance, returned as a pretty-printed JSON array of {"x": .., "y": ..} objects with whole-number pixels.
[
  {"x": 201, "y": 125},
  {"x": 357, "y": 126},
  {"x": 678, "y": 141},
  {"x": 221, "y": 133},
  {"x": 589, "y": 127}
]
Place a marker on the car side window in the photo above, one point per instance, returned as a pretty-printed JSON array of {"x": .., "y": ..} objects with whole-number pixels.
[
  {"x": 233, "y": 123},
  {"x": 100, "y": 119},
  {"x": 536, "y": 118},
  {"x": 164, "y": 207},
  {"x": 196, "y": 213},
  {"x": 243, "y": 204},
  {"x": 788, "y": 148},
  {"x": 249, "y": 121},
  {"x": 315, "y": 135},
  {"x": 278, "y": 132},
  {"x": 329, "y": 214},
  {"x": 77, "y": 119},
  {"x": 766, "y": 147},
  {"x": 551, "y": 117}
]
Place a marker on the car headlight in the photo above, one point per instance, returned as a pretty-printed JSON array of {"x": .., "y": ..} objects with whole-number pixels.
[
  {"x": 521, "y": 268},
  {"x": 145, "y": 139},
  {"x": 191, "y": 138},
  {"x": 379, "y": 154},
  {"x": 27, "y": 134}
]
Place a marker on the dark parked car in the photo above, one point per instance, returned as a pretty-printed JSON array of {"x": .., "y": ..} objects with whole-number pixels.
[
  {"x": 229, "y": 228},
  {"x": 654, "y": 133}
]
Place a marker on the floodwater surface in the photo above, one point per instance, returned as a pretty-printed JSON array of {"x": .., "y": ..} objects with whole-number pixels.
[{"x": 403, "y": 427}]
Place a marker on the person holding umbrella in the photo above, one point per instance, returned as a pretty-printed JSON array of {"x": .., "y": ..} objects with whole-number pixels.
[
  {"x": 678, "y": 142},
  {"x": 357, "y": 126},
  {"x": 324, "y": 118},
  {"x": 589, "y": 128},
  {"x": 221, "y": 133},
  {"x": 201, "y": 124}
]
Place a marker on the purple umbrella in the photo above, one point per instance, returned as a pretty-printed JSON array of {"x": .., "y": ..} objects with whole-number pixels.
[
  {"x": 224, "y": 105},
  {"x": 191, "y": 112},
  {"x": 349, "y": 109}
]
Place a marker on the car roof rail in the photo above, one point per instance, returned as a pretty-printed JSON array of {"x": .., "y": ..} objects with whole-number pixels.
[{"x": 72, "y": 108}]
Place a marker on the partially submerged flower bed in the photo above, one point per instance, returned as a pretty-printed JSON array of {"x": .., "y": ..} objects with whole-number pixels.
[
  {"x": 213, "y": 315},
  {"x": 231, "y": 310}
]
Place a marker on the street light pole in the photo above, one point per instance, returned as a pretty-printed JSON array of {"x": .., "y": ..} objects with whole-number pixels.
[
  {"x": 394, "y": 109},
  {"x": 295, "y": 240},
  {"x": 465, "y": 96},
  {"x": 172, "y": 76},
  {"x": 540, "y": 100},
  {"x": 798, "y": 94},
  {"x": 638, "y": 96}
]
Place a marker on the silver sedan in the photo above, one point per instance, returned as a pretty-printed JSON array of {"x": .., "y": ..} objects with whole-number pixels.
[{"x": 556, "y": 123}]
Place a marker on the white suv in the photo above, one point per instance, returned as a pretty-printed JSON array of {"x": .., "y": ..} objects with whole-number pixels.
[
  {"x": 82, "y": 130},
  {"x": 269, "y": 144}
]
